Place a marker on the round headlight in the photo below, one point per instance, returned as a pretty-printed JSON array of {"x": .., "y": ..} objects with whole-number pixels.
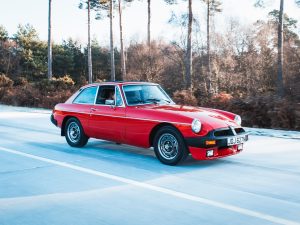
[
  {"x": 238, "y": 120},
  {"x": 196, "y": 126}
]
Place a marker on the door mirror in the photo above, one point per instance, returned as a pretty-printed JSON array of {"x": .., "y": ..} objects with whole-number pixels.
[{"x": 109, "y": 102}]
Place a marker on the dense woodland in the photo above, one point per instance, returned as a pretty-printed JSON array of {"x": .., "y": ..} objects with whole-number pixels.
[{"x": 236, "y": 70}]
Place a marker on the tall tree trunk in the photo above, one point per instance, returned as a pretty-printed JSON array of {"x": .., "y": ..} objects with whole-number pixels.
[
  {"x": 123, "y": 63},
  {"x": 149, "y": 23},
  {"x": 150, "y": 60},
  {"x": 112, "y": 54},
  {"x": 89, "y": 45},
  {"x": 49, "y": 41},
  {"x": 8, "y": 63},
  {"x": 280, "y": 88},
  {"x": 188, "y": 60},
  {"x": 208, "y": 48}
]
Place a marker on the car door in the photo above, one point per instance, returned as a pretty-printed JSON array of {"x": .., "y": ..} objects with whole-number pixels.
[
  {"x": 108, "y": 115},
  {"x": 139, "y": 120}
]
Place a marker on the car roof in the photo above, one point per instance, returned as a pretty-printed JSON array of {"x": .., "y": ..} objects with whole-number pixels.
[{"x": 119, "y": 83}]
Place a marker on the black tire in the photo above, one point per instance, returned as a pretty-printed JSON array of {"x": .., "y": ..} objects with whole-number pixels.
[
  {"x": 74, "y": 133},
  {"x": 169, "y": 146}
]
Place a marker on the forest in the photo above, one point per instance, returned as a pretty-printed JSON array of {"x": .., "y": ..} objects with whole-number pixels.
[{"x": 251, "y": 70}]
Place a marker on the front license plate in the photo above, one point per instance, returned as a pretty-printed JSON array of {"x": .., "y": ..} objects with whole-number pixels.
[{"x": 236, "y": 140}]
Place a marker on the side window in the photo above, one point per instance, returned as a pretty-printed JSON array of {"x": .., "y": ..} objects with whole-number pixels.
[
  {"x": 86, "y": 96},
  {"x": 119, "y": 101},
  {"x": 106, "y": 95}
]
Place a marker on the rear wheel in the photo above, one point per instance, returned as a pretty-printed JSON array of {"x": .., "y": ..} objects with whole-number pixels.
[
  {"x": 75, "y": 135},
  {"x": 169, "y": 146}
]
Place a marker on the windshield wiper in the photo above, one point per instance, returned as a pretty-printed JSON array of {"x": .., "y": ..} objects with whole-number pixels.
[
  {"x": 137, "y": 102},
  {"x": 166, "y": 100},
  {"x": 156, "y": 100}
]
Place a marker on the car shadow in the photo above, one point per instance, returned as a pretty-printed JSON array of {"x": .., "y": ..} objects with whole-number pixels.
[
  {"x": 148, "y": 152},
  {"x": 125, "y": 155}
]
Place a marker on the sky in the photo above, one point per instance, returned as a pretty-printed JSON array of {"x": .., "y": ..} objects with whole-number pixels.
[{"x": 70, "y": 21}]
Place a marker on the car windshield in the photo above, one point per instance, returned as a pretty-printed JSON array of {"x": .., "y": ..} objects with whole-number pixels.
[{"x": 145, "y": 94}]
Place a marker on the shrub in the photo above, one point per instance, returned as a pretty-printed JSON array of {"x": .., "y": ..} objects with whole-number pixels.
[
  {"x": 28, "y": 95},
  {"x": 263, "y": 111},
  {"x": 185, "y": 97},
  {"x": 81, "y": 81},
  {"x": 100, "y": 81},
  {"x": 21, "y": 96},
  {"x": 20, "y": 81},
  {"x": 51, "y": 100},
  {"x": 64, "y": 82},
  {"x": 46, "y": 86},
  {"x": 5, "y": 82},
  {"x": 222, "y": 97}
]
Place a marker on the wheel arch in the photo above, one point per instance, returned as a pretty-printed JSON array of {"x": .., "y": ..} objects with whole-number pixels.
[
  {"x": 63, "y": 125},
  {"x": 156, "y": 128}
]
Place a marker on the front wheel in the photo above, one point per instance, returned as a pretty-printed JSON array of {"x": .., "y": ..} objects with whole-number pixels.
[
  {"x": 169, "y": 146},
  {"x": 75, "y": 135}
]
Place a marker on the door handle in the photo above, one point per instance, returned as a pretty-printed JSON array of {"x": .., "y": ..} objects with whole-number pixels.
[{"x": 93, "y": 109}]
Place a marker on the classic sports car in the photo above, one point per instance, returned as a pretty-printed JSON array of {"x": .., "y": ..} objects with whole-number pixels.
[{"x": 142, "y": 114}]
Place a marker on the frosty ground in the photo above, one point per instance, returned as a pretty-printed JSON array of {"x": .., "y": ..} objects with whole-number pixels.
[{"x": 44, "y": 181}]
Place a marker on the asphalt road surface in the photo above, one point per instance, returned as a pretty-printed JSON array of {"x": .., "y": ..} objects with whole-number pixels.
[{"x": 45, "y": 181}]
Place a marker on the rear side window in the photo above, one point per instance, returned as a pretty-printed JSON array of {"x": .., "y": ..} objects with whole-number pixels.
[{"x": 86, "y": 96}]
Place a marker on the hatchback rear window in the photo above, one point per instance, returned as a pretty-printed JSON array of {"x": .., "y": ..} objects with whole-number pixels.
[{"x": 86, "y": 96}]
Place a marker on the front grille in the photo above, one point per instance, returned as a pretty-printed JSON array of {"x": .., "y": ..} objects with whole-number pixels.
[
  {"x": 239, "y": 130},
  {"x": 228, "y": 132},
  {"x": 225, "y": 132}
]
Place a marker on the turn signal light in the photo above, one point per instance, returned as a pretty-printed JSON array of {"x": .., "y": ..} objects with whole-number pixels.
[{"x": 213, "y": 142}]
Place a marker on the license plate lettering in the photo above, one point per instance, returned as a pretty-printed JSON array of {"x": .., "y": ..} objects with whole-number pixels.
[
  {"x": 239, "y": 140},
  {"x": 231, "y": 141},
  {"x": 236, "y": 140}
]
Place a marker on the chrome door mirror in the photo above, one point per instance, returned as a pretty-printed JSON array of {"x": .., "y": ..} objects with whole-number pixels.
[{"x": 109, "y": 102}]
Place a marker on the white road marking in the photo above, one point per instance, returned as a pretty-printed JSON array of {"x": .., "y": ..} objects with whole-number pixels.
[
  {"x": 177, "y": 194},
  {"x": 8, "y": 115}
]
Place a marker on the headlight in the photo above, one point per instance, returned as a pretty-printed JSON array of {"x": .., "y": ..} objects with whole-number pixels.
[
  {"x": 238, "y": 120},
  {"x": 196, "y": 126}
]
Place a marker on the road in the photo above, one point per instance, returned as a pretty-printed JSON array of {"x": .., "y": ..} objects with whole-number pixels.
[{"x": 44, "y": 181}]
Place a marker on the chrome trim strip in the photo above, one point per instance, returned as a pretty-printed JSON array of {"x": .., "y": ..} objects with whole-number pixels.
[
  {"x": 233, "y": 130},
  {"x": 96, "y": 95},
  {"x": 120, "y": 92}
]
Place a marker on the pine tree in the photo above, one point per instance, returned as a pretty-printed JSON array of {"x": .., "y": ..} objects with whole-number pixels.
[
  {"x": 212, "y": 6},
  {"x": 189, "y": 59},
  {"x": 188, "y": 56},
  {"x": 90, "y": 66},
  {"x": 107, "y": 7},
  {"x": 280, "y": 75},
  {"x": 149, "y": 23}
]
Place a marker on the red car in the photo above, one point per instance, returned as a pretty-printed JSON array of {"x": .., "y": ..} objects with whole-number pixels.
[{"x": 142, "y": 114}]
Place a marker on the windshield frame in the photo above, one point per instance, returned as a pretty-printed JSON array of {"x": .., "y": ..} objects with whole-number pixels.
[{"x": 146, "y": 103}]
